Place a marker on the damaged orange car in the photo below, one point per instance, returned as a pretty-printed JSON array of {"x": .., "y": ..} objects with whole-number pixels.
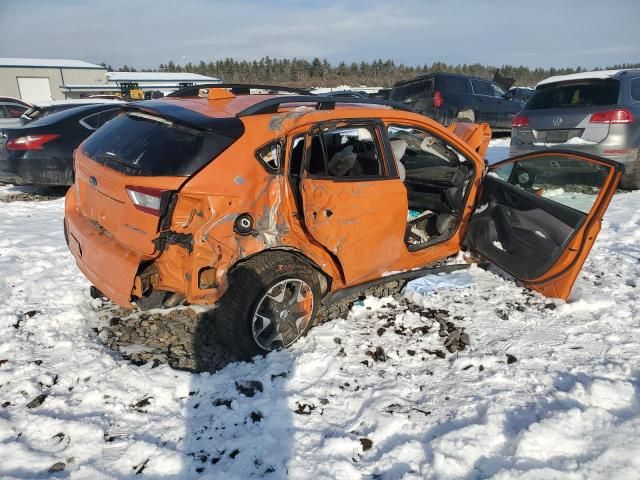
[{"x": 274, "y": 206}]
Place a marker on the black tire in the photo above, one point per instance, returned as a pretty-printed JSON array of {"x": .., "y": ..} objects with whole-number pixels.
[
  {"x": 249, "y": 282},
  {"x": 631, "y": 177}
]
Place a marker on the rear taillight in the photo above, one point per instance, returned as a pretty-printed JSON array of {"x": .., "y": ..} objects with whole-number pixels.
[
  {"x": 618, "y": 115},
  {"x": 30, "y": 142},
  {"x": 520, "y": 121},
  {"x": 437, "y": 99},
  {"x": 145, "y": 199}
]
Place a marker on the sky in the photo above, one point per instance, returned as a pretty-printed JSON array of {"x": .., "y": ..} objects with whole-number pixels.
[{"x": 144, "y": 33}]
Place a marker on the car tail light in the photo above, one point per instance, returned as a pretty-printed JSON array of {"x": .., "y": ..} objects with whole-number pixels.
[
  {"x": 145, "y": 199},
  {"x": 618, "y": 115},
  {"x": 520, "y": 121},
  {"x": 30, "y": 142},
  {"x": 437, "y": 99}
]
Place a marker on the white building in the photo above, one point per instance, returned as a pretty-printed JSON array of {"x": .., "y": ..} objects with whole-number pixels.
[
  {"x": 147, "y": 81},
  {"x": 45, "y": 79},
  {"x": 39, "y": 79}
]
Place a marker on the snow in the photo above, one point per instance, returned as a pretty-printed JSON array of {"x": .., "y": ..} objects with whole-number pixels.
[
  {"x": 571, "y": 141},
  {"x": 547, "y": 389},
  {"x": 601, "y": 74},
  {"x": 432, "y": 283}
]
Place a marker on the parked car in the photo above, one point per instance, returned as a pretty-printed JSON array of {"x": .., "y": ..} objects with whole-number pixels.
[
  {"x": 42, "y": 109},
  {"x": 446, "y": 97},
  {"x": 521, "y": 94},
  {"x": 41, "y": 152},
  {"x": 383, "y": 93},
  {"x": 11, "y": 109},
  {"x": 592, "y": 112},
  {"x": 15, "y": 100},
  {"x": 347, "y": 94},
  {"x": 281, "y": 208}
]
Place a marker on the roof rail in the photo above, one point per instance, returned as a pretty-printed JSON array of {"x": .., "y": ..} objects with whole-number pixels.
[
  {"x": 271, "y": 105},
  {"x": 236, "y": 88}
]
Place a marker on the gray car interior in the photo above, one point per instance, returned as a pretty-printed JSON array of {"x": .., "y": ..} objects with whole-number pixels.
[
  {"x": 436, "y": 178},
  {"x": 520, "y": 231}
]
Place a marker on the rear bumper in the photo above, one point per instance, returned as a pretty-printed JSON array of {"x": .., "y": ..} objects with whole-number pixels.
[
  {"x": 624, "y": 155},
  {"x": 106, "y": 263},
  {"x": 28, "y": 170}
]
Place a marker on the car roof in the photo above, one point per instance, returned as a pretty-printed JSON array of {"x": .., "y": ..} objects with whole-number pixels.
[
  {"x": 595, "y": 75},
  {"x": 77, "y": 101},
  {"x": 440, "y": 74},
  {"x": 68, "y": 113},
  {"x": 231, "y": 107},
  {"x": 14, "y": 100}
]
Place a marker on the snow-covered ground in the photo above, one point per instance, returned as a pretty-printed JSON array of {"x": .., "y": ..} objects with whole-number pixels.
[{"x": 547, "y": 389}]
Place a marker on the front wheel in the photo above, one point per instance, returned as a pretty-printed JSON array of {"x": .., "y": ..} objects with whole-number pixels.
[{"x": 271, "y": 302}]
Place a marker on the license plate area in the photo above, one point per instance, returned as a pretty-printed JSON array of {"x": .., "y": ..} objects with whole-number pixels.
[{"x": 557, "y": 136}]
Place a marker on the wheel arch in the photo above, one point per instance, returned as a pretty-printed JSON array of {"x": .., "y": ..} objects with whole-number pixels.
[{"x": 324, "y": 278}]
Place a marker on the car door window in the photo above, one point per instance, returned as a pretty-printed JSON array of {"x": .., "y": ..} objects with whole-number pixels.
[
  {"x": 498, "y": 92},
  {"x": 482, "y": 87},
  {"x": 635, "y": 89},
  {"x": 108, "y": 115},
  {"x": 345, "y": 152},
  {"x": 570, "y": 182},
  {"x": 422, "y": 148},
  {"x": 91, "y": 122},
  {"x": 15, "y": 111},
  {"x": 3, "y": 112},
  {"x": 454, "y": 84}
]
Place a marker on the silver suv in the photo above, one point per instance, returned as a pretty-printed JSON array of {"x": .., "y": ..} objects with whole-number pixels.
[{"x": 591, "y": 112}]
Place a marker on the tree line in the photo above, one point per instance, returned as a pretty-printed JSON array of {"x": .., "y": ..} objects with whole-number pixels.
[{"x": 378, "y": 73}]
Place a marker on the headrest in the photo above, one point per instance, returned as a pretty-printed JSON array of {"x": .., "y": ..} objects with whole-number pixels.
[{"x": 399, "y": 147}]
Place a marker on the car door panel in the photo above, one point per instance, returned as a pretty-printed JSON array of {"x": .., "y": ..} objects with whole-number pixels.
[
  {"x": 354, "y": 204},
  {"x": 539, "y": 240},
  {"x": 362, "y": 223}
]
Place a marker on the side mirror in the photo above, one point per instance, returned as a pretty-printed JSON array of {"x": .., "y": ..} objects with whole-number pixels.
[{"x": 507, "y": 96}]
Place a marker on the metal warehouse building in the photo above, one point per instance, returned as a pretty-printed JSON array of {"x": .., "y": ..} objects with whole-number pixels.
[{"x": 38, "y": 79}]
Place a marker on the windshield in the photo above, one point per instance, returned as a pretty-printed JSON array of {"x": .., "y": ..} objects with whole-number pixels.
[
  {"x": 140, "y": 144},
  {"x": 591, "y": 93}
]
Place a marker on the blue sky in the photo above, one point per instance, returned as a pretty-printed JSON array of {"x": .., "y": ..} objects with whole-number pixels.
[{"x": 145, "y": 33}]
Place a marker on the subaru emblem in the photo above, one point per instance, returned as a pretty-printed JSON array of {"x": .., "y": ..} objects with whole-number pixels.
[
  {"x": 557, "y": 121},
  {"x": 93, "y": 181}
]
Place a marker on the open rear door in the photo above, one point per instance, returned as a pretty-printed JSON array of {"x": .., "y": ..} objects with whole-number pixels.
[{"x": 539, "y": 214}]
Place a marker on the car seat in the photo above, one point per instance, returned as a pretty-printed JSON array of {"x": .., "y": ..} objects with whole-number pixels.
[{"x": 399, "y": 148}]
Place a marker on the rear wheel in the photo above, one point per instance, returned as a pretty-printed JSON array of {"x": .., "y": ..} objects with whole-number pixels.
[
  {"x": 271, "y": 302},
  {"x": 631, "y": 177}
]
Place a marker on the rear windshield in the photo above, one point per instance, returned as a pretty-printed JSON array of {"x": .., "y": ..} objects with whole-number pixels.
[
  {"x": 419, "y": 87},
  {"x": 592, "y": 93},
  {"x": 140, "y": 144}
]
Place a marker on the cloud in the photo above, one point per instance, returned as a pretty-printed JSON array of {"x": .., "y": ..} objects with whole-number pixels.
[{"x": 145, "y": 33}]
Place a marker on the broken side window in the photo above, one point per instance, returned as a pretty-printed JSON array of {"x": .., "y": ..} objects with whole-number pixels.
[{"x": 345, "y": 152}]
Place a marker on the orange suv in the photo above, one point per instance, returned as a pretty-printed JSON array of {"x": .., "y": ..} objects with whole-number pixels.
[{"x": 275, "y": 206}]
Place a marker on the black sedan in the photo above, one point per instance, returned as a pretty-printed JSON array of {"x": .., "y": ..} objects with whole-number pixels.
[{"x": 41, "y": 152}]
